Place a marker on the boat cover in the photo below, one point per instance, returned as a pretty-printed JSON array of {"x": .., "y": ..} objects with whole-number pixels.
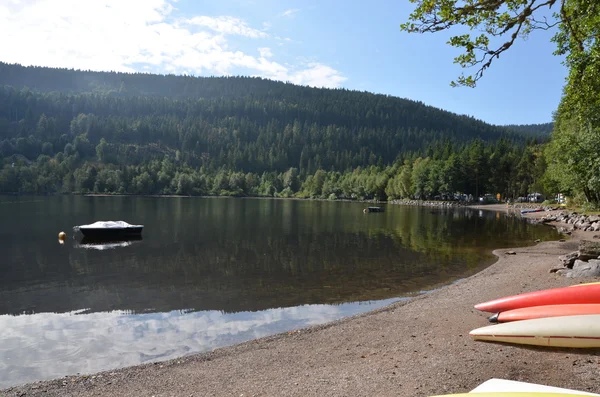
[{"x": 107, "y": 225}]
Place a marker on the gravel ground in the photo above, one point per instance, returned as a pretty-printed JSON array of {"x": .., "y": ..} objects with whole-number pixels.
[{"x": 415, "y": 348}]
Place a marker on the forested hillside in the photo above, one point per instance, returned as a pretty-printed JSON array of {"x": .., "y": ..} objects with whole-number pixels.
[
  {"x": 75, "y": 131},
  {"x": 544, "y": 129}
]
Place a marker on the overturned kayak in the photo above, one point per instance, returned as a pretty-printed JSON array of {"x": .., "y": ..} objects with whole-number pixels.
[
  {"x": 110, "y": 230},
  {"x": 512, "y": 394},
  {"x": 556, "y": 296},
  {"x": 567, "y": 331},
  {"x": 505, "y": 385},
  {"x": 529, "y": 313}
]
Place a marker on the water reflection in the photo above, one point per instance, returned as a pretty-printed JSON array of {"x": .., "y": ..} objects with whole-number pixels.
[
  {"x": 101, "y": 245},
  {"x": 48, "y": 345},
  {"x": 236, "y": 255}
]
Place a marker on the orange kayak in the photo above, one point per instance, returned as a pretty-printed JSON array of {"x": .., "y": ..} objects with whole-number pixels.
[
  {"x": 528, "y": 313},
  {"x": 555, "y": 296}
]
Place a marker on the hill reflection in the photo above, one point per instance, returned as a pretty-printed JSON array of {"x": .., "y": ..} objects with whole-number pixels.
[{"x": 244, "y": 255}]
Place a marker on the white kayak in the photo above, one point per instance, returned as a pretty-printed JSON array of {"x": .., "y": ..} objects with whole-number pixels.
[
  {"x": 567, "y": 331},
  {"x": 504, "y": 385}
]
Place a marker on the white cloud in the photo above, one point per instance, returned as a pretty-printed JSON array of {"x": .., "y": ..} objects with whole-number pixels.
[
  {"x": 265, "y": 52},
  {"x": 227, "y": 25},
  {"x": 4, "y": 13},
  {"x": 139, "y": 35},
  {"x": 289, "y": 13},
  {"x": 318, "y": 75}
]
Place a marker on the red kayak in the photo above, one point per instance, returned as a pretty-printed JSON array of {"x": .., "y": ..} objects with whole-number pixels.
[
  {"x": 555, "y": 296},
  {"x": 528, "y": 313}
]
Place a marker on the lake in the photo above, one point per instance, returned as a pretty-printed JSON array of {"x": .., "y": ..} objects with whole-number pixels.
[{"x": 212, "y": 272}]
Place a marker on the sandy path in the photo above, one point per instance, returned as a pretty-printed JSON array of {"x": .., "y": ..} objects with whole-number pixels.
[{"x": 419, "y": 348}]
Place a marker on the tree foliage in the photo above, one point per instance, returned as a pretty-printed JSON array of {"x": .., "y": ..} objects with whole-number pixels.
[
  {"x": 572, "y": 154},
  {"x": 147, "y": 134},
  {"x": 499, "y": 24}
]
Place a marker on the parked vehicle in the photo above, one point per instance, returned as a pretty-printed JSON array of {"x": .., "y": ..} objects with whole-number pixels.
[
  {"x": 488, "y": 199},
  {"x": 535, "y": 197}
]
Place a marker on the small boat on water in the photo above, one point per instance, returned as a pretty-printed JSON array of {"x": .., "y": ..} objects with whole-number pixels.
[
  {"x": 375, "y": 209},
  {"x": 113, "y": 230}
]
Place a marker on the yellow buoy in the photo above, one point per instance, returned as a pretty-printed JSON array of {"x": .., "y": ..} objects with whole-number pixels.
[{"x": 62, "y": 235}]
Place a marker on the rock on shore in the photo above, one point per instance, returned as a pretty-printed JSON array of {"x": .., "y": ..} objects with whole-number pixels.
[
  {"x": 582, "y": 263},
  {"x": 586, "y": 223},
  {"x": 429, "y": 203},
  {"x": 585, "y": 262}
]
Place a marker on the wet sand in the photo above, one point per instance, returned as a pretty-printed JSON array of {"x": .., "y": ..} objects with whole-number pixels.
[{"x": 415, "y": 348}]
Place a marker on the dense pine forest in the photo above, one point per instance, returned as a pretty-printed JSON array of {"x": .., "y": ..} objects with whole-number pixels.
[
  {"x": 66, "y": 131},
  {"x": 544, "y": 129}
]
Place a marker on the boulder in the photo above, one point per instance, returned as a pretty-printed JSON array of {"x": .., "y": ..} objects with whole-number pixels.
[
  {"x": 584, "y": 269},
  {"x": 569, "y": 259},
  {"x": 593, "y": 218},
  {"x": 562, "y": 272},
  {"x": 589, "y": 250}
]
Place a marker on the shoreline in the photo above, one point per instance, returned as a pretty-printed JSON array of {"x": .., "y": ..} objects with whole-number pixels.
[
  {"x": 410, "y": 202},
  {"x": 500, "y": 207},
  {"x": 418, "y": 347}
]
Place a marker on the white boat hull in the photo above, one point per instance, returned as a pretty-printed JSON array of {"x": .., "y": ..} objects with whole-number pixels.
[
  {"x": 504, "y": 385},
  {"x": 568, "y": 331}
]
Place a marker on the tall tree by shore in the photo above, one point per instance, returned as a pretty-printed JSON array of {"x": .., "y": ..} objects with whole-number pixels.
[{"x": 572, "y": 155}]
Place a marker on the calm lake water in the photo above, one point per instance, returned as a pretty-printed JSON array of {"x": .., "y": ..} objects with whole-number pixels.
[{"x": 214, "y": 272}]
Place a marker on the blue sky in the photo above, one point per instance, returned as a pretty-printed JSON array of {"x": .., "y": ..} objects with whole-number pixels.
[{"x": 334, "y": 43}]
